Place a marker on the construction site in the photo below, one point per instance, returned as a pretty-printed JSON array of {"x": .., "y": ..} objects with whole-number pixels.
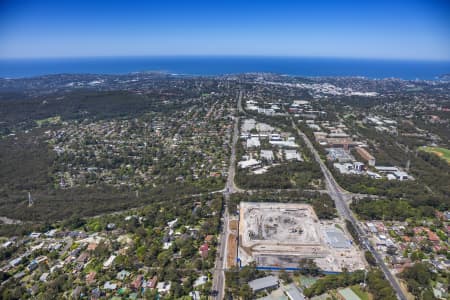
[{"x": 278, "y": 235}]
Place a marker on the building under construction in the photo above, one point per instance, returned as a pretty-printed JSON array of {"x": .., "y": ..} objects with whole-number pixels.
[{"x": 278, "y": 235}]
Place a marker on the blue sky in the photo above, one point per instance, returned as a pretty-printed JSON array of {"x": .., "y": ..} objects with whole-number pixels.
[{"x": 341, "y": 28}]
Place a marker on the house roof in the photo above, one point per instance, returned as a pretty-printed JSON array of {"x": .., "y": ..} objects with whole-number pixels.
[
  {"x": 110, "y": 286},
  {"x": 152, "y": 282}
]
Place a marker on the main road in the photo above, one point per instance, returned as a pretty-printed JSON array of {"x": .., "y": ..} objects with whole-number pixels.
[
  {"x": 339, "y": 195},
  {"x": 218, "y": 284}
]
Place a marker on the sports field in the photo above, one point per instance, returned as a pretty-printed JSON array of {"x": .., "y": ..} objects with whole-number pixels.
[{"x": 441, "y": 152}]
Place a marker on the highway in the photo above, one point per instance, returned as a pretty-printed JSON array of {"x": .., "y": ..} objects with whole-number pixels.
[
  {"x": 218, "y": 284},
  {"x": 339, "y": 195}
]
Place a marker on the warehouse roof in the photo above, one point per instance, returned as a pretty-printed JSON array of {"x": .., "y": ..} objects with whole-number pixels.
[{"x": 263, "y": 283}]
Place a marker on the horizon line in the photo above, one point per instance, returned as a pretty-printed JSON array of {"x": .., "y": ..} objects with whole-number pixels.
[{"x": 11, "y": 58}]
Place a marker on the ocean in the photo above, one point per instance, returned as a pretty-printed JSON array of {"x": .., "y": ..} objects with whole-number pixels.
[{"x": 220, "y": 65}]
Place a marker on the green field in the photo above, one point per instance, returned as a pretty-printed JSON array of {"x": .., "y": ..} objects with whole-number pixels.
[
  {"x": 441, "y": 152},
  {"x": 52, "y": 120}
]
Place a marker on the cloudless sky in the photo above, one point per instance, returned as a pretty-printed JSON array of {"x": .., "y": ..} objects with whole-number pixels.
[{"x": 341, "y": 28}]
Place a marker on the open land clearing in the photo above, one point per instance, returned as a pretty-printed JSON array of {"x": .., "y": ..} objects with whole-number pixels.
[
  {"x": 232, "y": 250},
  {"x": 278, "y": 235},
  {"x": 232, "y": 243},
  {"x": 441, "y": 152},
  {"x": 234, "y": 225}
]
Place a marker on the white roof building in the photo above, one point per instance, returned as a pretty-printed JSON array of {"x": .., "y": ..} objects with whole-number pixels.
[
  {"x": 288, "y": 144},
  {"x": 195, "y": 295},
  {"x": 386, "y": 169},
  {"x": 109, "y": 261},
  {"x": 401, "y": 175},
  {"x": 264, "y": 128},
  {"x": 344, "y": 168},
  {"x": 267, "y": 155},
  {"x": 200, "y": 281},
  {"x": 248, "y": 125},
  {"x": 163, "y": 287},
  {"x": 248, "y": 163},
  {"x": 43, "y": 277},
  {"x": 253, "y": 142},
  {"x": 373, "y": 175},
  {"x": 263, "y": 283},
  {"x": 292, "y": 155},
  {"x": 391, "y": 177},
  {"x": 109, "y": 286}
]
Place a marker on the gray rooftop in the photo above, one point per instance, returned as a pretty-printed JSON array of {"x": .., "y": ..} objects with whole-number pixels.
[
  {"x": 294, "y": 293},
  {"x": 263, "y": 283}
]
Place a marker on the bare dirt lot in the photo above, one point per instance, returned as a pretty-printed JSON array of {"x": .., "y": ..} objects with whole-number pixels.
[
  {"x": 280, "y": 234},
  {"x": 232, "y": 251},
  {"x": 283, "y": 225},
  {"x": 233, "y": 225}
]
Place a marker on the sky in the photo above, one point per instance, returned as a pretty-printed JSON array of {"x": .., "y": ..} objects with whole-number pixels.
[{"x": 395, "y": 29}]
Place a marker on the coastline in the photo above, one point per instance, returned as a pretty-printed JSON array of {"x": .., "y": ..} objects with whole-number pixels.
[{"x": 226, "y": 65}]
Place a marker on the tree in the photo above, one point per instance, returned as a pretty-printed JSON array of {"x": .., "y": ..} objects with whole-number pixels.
[
  {"x": 308, "y": 267},
  {"x": 245, "y": 292},
  {"x": 370, "y": 259},
  {"x": 418, "y": 277},
  {"x": 285, "y": 276}
]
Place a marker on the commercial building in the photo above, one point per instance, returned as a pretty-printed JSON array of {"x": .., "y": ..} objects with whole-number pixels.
[
  {"x": 384, "y": 169},
  {"x": 251, "y": 163},
  {"x": 264, "y": 283},
  {"x": 339, "y": 155},
  {"x": 358, "y": 166},
  {"x": 253, "y": 142},
  {"x": 344, "y": 142},
  {"x": 267, "y": 155},
  {"x": 345, "y": 168},
  {"x": 366, "y": 156},
  {"x": 292, "y": 155},
  {"x": 247, "y": 126},
  {"x": 401, "y": 175}
]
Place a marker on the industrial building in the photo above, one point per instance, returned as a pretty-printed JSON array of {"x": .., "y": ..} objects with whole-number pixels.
[
  {"x": 253, "y": 142},
  {"x": 339, "y": 155},
  {"x": 264, "y": 283},
  {"x": 366, "y": 156},
  {"x": 267, "y": 155},
  {"x": 292, "y": 155}
]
